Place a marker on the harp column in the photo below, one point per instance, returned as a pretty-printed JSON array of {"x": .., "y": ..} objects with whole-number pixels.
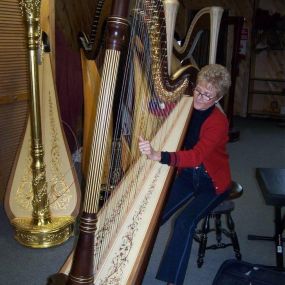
[
  {"x": 216, "y": 14},
  {"x": 82, "y": 268},
  {"x": 171, "y": 9}
]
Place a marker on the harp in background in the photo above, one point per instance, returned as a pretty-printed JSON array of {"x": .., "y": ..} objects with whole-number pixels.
[
  {"x": 57, "y": 174},
  {"x": 113, "y": 244},
  {"x": 207, "y": 20}
]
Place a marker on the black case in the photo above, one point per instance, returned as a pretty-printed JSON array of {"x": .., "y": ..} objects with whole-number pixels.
[{"x": 234, "y": 272}]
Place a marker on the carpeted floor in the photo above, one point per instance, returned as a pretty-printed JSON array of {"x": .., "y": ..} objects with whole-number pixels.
[{"x": 261, "y": 144}]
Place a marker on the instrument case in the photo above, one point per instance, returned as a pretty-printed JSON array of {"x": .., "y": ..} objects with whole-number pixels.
[{"x": 234, "y": 272}]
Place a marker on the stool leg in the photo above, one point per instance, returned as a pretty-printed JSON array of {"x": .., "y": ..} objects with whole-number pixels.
[
  {"x": 218, "y": 225},
  {"x": 233, "y": 236},
  {"x": 203, "y": 240}
]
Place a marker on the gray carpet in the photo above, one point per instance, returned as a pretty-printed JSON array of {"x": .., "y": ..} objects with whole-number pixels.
[{"x": 261, "y": 144}]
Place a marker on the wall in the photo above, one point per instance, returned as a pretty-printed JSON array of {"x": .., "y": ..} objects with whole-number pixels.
[{"x": 268, "y": 65}]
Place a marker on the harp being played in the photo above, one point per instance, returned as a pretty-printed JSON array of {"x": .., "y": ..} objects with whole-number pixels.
[{"x": 114, "y": 242}]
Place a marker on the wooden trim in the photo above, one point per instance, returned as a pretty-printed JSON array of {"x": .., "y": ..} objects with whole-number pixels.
[{"x": 8, "y": 99}]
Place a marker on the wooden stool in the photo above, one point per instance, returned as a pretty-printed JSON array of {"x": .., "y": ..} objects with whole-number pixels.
[{"x": 225, "y": 208}]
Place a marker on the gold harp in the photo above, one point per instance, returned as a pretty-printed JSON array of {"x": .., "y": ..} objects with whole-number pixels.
[{"x": 43, "y": 195}]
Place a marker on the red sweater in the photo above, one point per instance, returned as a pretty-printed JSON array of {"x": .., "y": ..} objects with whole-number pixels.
[{"x": 209, "y": 150}]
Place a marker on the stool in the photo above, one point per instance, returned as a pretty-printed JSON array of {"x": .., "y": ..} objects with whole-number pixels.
[{"x": 225, "y": 208}]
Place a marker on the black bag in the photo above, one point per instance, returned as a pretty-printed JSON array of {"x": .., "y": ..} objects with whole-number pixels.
[{"x": 234, "y": 272}]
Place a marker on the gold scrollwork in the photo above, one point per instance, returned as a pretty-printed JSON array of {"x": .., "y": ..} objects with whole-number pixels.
[
  {"x": 58, "y": 190},
  {"x": 30, "y": 7},
  {"x": 121, "y": 257}
]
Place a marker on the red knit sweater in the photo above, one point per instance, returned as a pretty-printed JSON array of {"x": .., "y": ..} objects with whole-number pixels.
[{"x": 209, "y": 150}]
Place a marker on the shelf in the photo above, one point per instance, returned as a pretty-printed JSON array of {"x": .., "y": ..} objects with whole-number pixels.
[
  {"x": 267, "y": 79},
  {"x": 268, "y": 92},
  {"x": 266, "y": 114}
]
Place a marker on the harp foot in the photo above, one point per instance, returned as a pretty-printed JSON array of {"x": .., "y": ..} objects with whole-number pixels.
[{"x": 43, "y": 236}]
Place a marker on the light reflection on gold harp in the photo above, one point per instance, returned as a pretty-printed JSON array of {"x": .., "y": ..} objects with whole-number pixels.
[
  {"x": 113, "y": 243},
  {"x": 43, "y": 196}
]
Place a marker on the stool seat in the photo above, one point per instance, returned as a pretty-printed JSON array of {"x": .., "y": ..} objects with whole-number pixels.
[{"x": 225, "y": 208}]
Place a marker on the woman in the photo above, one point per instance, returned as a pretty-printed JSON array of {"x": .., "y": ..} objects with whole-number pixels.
[{"x": 204, "y": 178}]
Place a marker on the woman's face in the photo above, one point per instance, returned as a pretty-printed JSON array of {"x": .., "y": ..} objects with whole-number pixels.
[{"x": 204, "y": 95}]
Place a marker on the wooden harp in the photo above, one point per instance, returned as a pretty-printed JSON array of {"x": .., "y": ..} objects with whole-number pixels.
[
  {"x": 208, "y": 18},
  {"x": 113, "y": 242}
]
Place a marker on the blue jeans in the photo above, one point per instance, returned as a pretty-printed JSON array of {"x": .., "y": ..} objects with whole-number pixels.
[{"x": 193, "y": 191}]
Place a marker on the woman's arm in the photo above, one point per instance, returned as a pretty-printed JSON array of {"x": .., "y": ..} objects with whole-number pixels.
[{"x": 214, "y": 135}]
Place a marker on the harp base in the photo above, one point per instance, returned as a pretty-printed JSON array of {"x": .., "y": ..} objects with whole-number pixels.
[
  {"x": 44, "y": 236},
  {"x": 58, "y": 279}
]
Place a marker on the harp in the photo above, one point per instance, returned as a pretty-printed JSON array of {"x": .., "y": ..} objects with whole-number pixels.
[
  {"x": 52, "y": 174},
  {"x": 91, "y": 43},
  {"x": 208, "y": 18},
  {"x": 113, "y": 242}
]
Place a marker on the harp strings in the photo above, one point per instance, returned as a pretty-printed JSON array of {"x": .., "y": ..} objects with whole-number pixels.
[
  {"x": 137, "y": 58},
  {"x": 140, "y": 113},
  {"x": 100, "y": 134},
  {"x": 111, "y": 215}
]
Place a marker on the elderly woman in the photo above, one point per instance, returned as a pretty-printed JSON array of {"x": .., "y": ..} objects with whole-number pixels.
[{"x": 203, "y": 178}]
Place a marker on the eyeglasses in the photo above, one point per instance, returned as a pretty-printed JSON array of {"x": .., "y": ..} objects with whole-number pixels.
[{"x": 205, "y": 96}]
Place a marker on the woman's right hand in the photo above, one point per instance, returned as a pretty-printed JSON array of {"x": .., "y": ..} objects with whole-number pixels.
[{"x": 146, "y": 148}]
